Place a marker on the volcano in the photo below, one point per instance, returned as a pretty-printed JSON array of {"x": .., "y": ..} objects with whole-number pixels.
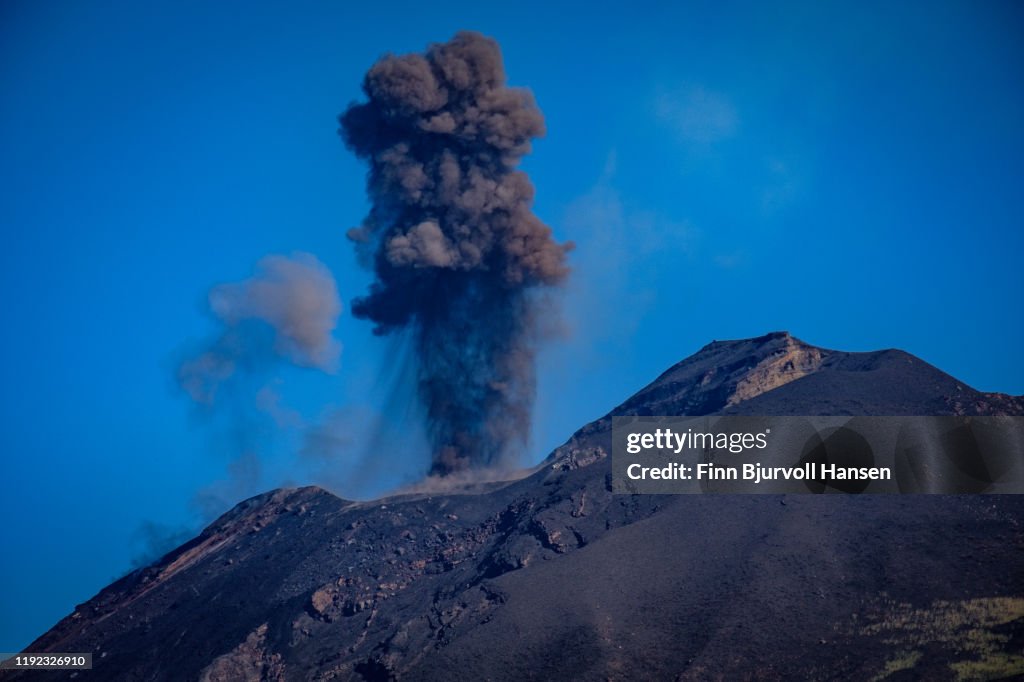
[{"x": 552, "y": 576}]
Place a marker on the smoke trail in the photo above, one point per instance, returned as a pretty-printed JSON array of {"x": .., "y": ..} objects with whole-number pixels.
[
  {"x": 151, "y": 540},
  {"x": 457, "y": 252},
  {"x": 286, "y": 312},
  {"x": 283, "y": 315}
]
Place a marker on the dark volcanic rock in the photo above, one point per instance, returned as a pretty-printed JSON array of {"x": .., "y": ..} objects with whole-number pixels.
[{"x": 552, "y": 576}]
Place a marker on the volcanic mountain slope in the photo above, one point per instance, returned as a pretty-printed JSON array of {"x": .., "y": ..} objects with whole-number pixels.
[{"x": 552, "y": 576}]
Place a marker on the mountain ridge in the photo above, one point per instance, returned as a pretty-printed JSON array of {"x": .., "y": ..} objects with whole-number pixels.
[{"x": 301, "y": 584}]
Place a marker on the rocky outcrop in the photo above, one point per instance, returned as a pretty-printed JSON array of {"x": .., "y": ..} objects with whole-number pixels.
[
  {"x": 793, "y": 360},
  {"x": 248, "y": 662}
]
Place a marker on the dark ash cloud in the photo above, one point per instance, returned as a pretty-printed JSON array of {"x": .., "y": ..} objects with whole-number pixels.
[{"x": 457, "y": 252}]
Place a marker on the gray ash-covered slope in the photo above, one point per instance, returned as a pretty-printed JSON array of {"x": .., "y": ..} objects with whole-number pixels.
[{"x": 552, "y": 576}]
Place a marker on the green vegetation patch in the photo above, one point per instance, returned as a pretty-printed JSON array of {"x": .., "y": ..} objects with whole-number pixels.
[{"x": 971, "y": 632}]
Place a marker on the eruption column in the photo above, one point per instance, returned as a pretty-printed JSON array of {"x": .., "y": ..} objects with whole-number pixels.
[{"x": 457, "y": 252}]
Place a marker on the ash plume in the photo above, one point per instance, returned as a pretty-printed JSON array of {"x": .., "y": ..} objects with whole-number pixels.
[
  {"x": 283, "y": 315},
  {"x": 286, "y": 312},
  {"x": 458, "y": 255}
]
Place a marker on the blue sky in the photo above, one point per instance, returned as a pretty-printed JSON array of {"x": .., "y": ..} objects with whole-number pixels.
[{"x": 850, "y": 172}]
